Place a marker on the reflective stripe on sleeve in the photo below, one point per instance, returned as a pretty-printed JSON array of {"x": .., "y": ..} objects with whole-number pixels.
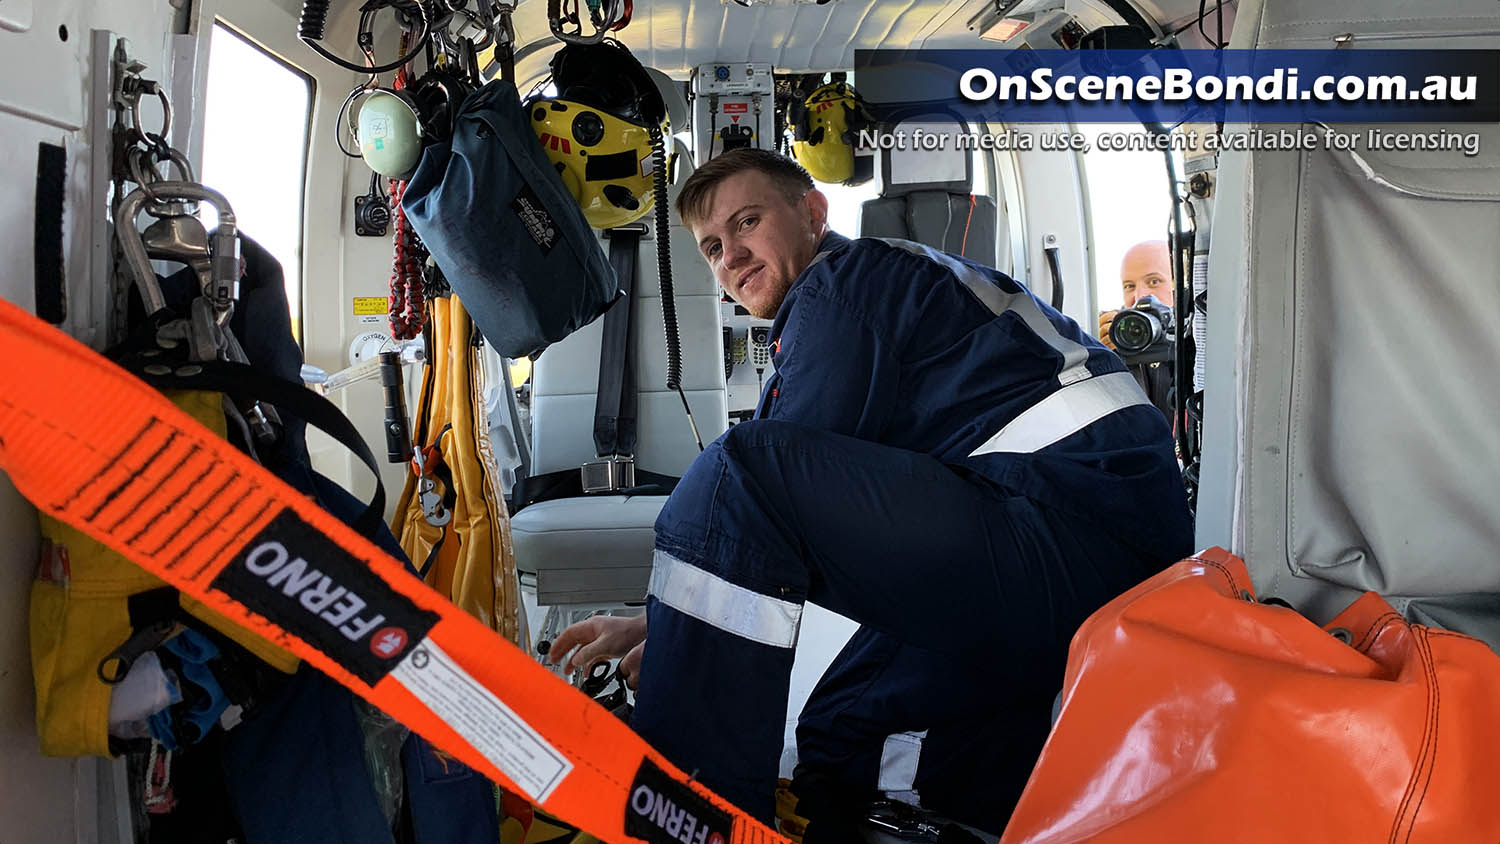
[
  {"x": 1075, "y": 356},
  {"x": 1064, "y": 413},
  {"x": 898, "y": 766},
  {"x": 713, "y": 600}
]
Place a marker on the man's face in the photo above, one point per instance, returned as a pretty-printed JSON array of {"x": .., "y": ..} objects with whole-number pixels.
[
  {"x": 757, "y": 242},
  {"x": 1146, "y": 272}
]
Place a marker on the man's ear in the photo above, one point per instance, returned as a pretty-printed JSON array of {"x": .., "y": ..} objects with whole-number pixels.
[{"x": 817, "y": 208}]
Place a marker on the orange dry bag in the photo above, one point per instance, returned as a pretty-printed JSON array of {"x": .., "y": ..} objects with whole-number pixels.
[{"x": 1193, "y": 713}]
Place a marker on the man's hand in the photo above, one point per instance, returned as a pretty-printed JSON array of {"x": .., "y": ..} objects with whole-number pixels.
[
  {"x": 1106, "y": 319},
  {"x": 602, "y": 637},
  {"x": 630, "y": 665}
]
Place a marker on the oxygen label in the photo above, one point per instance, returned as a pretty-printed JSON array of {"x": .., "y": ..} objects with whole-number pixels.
[
  {"x": 664, "y": 811},
  {"x": 484, "y": 721},
  {"x": 534, "y": 218},
  {"x": 310, "y": 587}
]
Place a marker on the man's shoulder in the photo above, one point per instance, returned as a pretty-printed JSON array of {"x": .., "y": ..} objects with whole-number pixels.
[{"x": 857, "y": 262}]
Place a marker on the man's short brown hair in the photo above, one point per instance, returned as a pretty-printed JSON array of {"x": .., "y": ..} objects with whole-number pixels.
[{"x": 786, "y": 174}]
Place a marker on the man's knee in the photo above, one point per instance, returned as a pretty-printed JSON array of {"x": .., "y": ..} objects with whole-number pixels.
[{"x": 758, "y": 433}]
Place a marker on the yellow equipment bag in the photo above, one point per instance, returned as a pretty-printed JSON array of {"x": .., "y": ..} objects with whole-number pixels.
[
  {"x": 450, "y": 519},
  {"x": 80, "y": 614}
]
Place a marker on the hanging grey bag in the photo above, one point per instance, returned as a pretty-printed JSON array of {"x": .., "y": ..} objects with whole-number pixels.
[{"x": 504, "y": 230}]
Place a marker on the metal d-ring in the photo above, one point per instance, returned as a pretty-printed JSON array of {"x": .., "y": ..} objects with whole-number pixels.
[{"x": 166, "y": 116}]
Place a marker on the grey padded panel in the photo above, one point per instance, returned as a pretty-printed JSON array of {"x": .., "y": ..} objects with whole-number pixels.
[
  {"x": 565, "y": 431},
  {"x": 567, "y": 374},
  {"x": 588, "y": 550},
  {"x": 942, "y": 220},
  {"x": 1368, "y": 448}
]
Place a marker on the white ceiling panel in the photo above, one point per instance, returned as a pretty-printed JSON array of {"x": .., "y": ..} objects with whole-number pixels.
[{"x": 677, "y": 35}]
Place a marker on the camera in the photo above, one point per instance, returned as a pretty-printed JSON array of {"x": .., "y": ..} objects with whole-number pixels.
[{"x": 1144, "y": 333}]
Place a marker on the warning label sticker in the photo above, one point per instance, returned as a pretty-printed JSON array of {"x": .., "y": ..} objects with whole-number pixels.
[
  {"x": 473, "y": 711},
  {"x": 371, "y": 305}
]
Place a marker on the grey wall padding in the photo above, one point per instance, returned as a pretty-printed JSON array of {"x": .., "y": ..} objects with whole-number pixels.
[
  {"x": 1352, "y": 325},
  {"x": 1373, "y": 448}
]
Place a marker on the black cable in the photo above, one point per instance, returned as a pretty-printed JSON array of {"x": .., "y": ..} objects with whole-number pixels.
[
  {"x": 664, "y": 273},
  {"x": 314, "y": 20},
  {"x": 1181, "y": 369},
  {"x": 664, "y": 259},
  {"x": 339, "y": 125},
  {"x": 1203, "y": 13},
  {"x": 713, "y": 124}
]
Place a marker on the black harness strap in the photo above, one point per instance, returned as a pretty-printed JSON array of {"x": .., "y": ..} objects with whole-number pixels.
[{"x": 616, "y": 403}]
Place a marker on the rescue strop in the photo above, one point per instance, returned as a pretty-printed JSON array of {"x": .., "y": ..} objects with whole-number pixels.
[{"x": 92, "y": 446}]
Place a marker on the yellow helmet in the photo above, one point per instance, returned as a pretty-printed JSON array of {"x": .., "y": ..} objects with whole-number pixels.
[
  {"x": 825, "y": 126},
  {"x": 597, "y": 130}
]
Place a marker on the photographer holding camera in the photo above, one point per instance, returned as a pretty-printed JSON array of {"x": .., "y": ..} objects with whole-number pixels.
[{"x": 1141, "y": 332}]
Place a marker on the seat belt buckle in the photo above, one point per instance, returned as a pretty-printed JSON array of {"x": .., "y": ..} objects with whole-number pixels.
[{"x": 608, "y": 474}]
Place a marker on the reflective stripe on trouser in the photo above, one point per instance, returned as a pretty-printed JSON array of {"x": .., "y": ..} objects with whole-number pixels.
[{"x": 774, "y": 514}]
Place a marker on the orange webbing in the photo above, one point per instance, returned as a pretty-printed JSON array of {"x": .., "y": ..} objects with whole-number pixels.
[{"x": 92, "y": 446}]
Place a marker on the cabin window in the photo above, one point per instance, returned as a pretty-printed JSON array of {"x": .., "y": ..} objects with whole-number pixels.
[
  {"x": 845, "y": 203},
  {"x": 1129, "y": 203},
  {"x": 255, "y": 130}
]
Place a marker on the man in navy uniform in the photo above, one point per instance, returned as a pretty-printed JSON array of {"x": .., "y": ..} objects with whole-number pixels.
[{"x": 939, "y": 456}]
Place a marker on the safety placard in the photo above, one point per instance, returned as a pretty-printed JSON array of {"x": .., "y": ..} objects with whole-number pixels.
[
  {"x": 475, "y": 713},
  {"x": 370, "y": 309}
]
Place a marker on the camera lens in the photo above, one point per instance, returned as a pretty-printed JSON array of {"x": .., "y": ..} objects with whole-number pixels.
[{"x": 1134, "y": 331}]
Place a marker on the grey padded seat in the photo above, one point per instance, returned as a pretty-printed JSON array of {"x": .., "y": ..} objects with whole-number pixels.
[
  {"x": 927, "y": 197},
  {"x": 597, "y": 549}
]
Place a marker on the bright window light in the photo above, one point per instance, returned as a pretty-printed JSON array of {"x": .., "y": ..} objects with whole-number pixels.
[
  {"x": 1129, "y": 202},
  {"x": 845, "y": 204},
  {"x": 255, "y": 149}
]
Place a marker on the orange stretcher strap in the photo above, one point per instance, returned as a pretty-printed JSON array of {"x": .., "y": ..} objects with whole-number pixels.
[{"x": 92, "y": 446}]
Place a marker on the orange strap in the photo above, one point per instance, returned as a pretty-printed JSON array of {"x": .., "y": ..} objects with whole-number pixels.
[{"x": 92, "y": 446}]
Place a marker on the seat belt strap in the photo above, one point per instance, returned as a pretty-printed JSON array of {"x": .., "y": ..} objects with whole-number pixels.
[
  {"x": 617, "y": 400},
  {"x": 98, "y": 449}
]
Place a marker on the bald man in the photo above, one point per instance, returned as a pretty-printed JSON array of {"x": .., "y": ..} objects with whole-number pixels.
[{"x": 1145, "y": 271}]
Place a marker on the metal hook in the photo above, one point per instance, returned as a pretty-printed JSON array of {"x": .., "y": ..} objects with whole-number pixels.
[{"x": 225, "y": 252}]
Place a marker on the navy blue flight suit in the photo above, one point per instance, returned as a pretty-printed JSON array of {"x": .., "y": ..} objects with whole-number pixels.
[{"x": 943, "y": 458}]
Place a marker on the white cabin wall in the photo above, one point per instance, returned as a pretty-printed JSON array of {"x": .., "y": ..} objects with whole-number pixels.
[
  {"x": 1054, "y": 199},
  {"x": 46, "y": 99}
]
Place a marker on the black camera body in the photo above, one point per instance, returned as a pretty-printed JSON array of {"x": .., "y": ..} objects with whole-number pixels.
[{"x": 1144, "y": 332}]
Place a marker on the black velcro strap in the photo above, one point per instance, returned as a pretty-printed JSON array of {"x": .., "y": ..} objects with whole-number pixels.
[
  {"x": 617, "y": 401},
  {"x": 51, "y": 180},
  {"x": 242, "y": 380}
]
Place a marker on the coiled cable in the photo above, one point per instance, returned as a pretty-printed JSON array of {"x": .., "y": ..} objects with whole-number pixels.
[
  {"x": 664, "y": 273},
  {"x": 313, "y": 23}
]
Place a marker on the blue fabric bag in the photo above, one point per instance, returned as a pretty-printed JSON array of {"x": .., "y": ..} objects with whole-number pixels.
[{"x": 504, "y": 230}]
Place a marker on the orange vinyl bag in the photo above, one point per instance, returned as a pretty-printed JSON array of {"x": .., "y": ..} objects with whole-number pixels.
[{"x": 1192, "y": 713}]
